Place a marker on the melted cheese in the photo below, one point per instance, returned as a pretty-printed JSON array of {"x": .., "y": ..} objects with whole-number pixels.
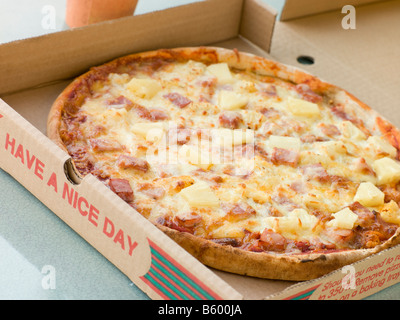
[{"x": 284, "y": 199}]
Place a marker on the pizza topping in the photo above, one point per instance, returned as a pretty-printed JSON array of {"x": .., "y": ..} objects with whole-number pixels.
[
  {"x": 157, "y": 115},
  {"x": 299, "y": 107},
  {"x": 391, "y": 193},
  {"x": 329, "y": 129},
  {"x": 371, "y": 239},
  {"x": 120, "y": 102},
  {"x": 316, "y": 172},
  {"x": 298, "y": 186},
  {"x": 152, "y": 191},
  {"x": 128, "y": 162},
  {"x": 152, "y": 115},
  {"x": 307, "y": 94},
  {"x": 178, "y": 100},
  {"x": 390, "y": 212},
  {"x": 369, "y": 195},
  {"x": 382, "y": 146},
  {"x": 339, "y": 111},
  {"x": 236, "y": 156},
  {"x": 387, "y": 170},
  {"x": 268, "y": 89},
  {"x": 350, "y": 131},
  {"x": 182, "y": 224},
  {"x": 179, "y": 136},
  {"x": 289, "y": 143},
  {"x": 230, "y": 100},
  {"x": 103, "y": 145},
  {"x": 362, "y": 166},
  {"x": 144, "y": 88},
  {"x": 200, "y": 194},
  {"x": 230, "y": 119},
  {"x": 311, "y": 138},
  {"x": 196, "y": 156},
  {"x": 189, "y": 222},
  {"x": 148, "y": 130},
  {"x": 390, "y": 133},
  {"x": 296, "y": 223},
  {"x": 272, "y": 241},
  {"x": 238, "y": 211},
  {"x": 221, "y": 71},
  {"x": 343, "y": 219},
  {"x": 122, "y": 188},
  {"x": 83, "y": 161},
  {"x": 285, "y": 157}
]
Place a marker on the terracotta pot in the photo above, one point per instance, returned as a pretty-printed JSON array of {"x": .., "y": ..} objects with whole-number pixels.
[{"x": 83, "y": 12}]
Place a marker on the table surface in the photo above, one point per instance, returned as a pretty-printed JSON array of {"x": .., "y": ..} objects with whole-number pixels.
[{"x": 57, "y": 263}]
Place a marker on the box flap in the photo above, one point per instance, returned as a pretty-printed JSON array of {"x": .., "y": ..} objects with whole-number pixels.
[
  {"x": 178, "y": 26},
  {"x": 257, "y": 24},
  {"x": 353, "y": 282},
  {"x": 300, "y": 8},
  {"x": 363, "y": 61},
  {"x": 115, "y": 229}
]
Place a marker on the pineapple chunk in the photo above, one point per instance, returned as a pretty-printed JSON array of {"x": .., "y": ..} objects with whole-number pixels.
[
  {"x": 307, "y": 221},
  {"x": 380, "y": 145},
  {"x": 221, "y": 72},
  {"x": 299, "y": 107},
  {"x": 151, "y": 131},
  {"x": 252, "y": 119},
  {"x": 245, "y": 86},
  {"x": 229, "y": 100},
  {"x": 290, "y": 143},
  {"x": 308, "y": 157},
  {"x": 242, "y": 136},
  {"x": 387, "y": 170},
  {"x": 112, "y": 114},
  {"x": 200, "y": 194},
  {"x": 350, "y": 131},
  {"x": 197, "y": 157},
  {"x": 257, "y": 195},
  {"x": 390, "y": 212},
  {"x": 144, "y": 88},
  {"x": 298, "y": 221},
  {"x": 155, "y": 135},
  {"x": 343, "y": 219},
  {"x": 287, "y": 224},
  {"x": 228, "y": 230},
  {"x": 229, "y": 138},
  {"x": 119, "y": 79},
  {"x": 231, "y": 194},
  {"x": 369, "y": 195},
  {"x": 332, "y": 148}
]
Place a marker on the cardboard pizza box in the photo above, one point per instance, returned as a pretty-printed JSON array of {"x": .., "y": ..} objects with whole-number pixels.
[{"x": 38, "y": 69}]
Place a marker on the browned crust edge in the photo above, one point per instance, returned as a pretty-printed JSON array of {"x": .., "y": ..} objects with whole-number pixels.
[{"x": 298, "y": 267}]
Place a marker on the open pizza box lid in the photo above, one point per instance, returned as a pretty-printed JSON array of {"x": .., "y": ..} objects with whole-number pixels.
[
  {"x": 38, "y": 69},
  {"x": 363, "y": 60}
]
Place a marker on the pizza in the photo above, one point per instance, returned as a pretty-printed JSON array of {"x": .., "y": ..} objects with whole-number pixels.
[{"x": 254, "y": 167}]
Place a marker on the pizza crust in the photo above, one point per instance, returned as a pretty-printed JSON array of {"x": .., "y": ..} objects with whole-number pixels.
[
  {"x": 270, "y": 266},
  {"x": 296, "y": 267}
]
